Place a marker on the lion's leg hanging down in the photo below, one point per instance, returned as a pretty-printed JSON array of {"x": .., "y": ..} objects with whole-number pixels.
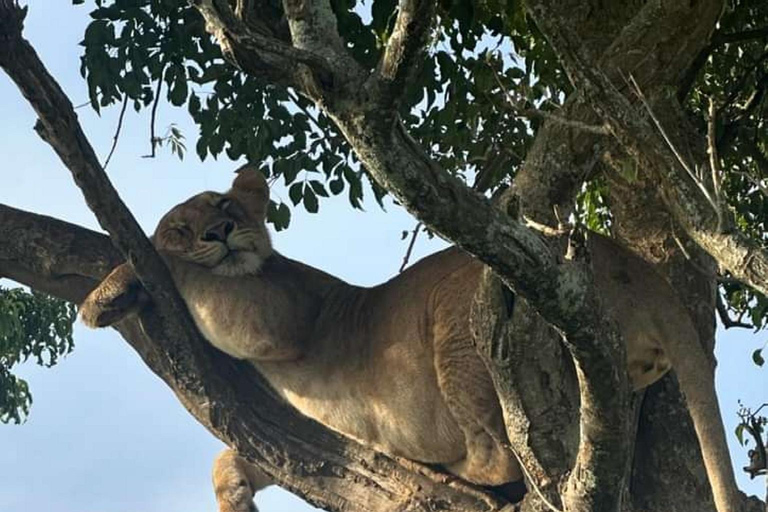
[
  {"x": 469, "y": 393},
  {"x": 235, "y": 481}
]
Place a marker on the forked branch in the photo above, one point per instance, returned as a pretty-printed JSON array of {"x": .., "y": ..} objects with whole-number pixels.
[{"x": 227, "y": 396}]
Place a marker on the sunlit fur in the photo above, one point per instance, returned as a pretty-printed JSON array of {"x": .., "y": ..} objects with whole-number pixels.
[
  {"x": 235, "y": 482},
  {"x": 181, "y": 233},
  {"x": 394, "y": 366}
]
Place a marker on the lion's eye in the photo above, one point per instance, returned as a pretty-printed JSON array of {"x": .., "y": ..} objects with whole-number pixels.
[{"x": 182, "y": 231}]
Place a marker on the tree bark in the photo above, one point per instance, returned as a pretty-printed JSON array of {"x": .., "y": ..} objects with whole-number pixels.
[{"x": 567, "y": 408}]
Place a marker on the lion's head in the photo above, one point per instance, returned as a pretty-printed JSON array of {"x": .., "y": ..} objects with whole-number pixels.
[{"x": 223, "y": 232}]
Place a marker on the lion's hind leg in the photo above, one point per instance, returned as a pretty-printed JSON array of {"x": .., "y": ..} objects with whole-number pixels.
[{"x": 470, "y": 396}]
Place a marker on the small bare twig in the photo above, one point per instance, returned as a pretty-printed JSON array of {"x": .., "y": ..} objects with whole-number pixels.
[
  {"x": 737, "y": 37},
  {"x": 408, "y": 252},
  {"x": 754, "y": 181},
  {"x": 725, "y": 318},
  {"x": 560, "y": 230},
  {"x": 116, "y": 137},
  {"x": 714, "y": 163},
  {"x": 514, "y": 104},
  {"x": 152, "y": 137},
  {"x": 690, "y": 171}
]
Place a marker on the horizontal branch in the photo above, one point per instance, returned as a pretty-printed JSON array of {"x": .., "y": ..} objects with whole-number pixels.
[
  {"x": 738, "y": 37},
  {"x": 67, "y": 261},
  {"x": 227, "y": 396}
]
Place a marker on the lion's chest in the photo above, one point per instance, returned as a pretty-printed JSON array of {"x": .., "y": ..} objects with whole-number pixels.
[{"x": 226, "y": 323}]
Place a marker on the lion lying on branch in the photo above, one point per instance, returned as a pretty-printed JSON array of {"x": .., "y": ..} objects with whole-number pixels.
[{"x": 393, "y": 366}]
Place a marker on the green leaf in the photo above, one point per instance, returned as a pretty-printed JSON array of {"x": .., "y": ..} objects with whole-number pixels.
[
  {"x": 740, "y": 433},
  {"x": 310, "y": 200},
  {"x": 296, "y": 192},
  {"x": 336, "y": 186},
  {"x": 318, "y": 188},
  {"x": 757, "y": 357}
]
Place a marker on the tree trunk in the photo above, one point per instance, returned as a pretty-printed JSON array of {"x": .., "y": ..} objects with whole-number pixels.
[{"x": 572, "y": 463}]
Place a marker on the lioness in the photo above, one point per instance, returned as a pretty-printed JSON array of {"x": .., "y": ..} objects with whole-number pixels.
[{"x": 392, "y": 366}]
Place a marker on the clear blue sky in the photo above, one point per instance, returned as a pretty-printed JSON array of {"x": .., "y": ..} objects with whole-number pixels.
[{"x": 105, "y": 434}]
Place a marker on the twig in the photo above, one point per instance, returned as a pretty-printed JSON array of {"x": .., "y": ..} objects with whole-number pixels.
[
  {"x": 547, "y": 116},
  {"x": 407, "y": 256},
  {"x": 672, "y": 146},
  {"x": 329, "y": 141},
  {"x": 714, "y": 163},
  {"x": 725, "y": 318},
  {"x": 758, "y": 461},
  {"x": 737, "y": 37},
  {"x": 117, "y": 133},
  {"x": 756, "y": 182},
  {"x": 152, "y": 137}
]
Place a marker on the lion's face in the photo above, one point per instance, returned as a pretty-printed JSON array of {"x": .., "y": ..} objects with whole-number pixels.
[{"x": 223, "y": 232}]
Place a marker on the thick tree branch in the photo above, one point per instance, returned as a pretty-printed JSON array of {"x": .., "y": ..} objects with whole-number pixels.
[
  {"x": 227, "y": 396},
  {"x": 67, "y": 261},
  {"x": 405, "y": 48},
  {"x": 255, "y": 51},
  {"x": 734, "y": 251},
  {"x": 562, "y": 293},
  {"x": 621, "y": 39},
  {"x": 313, "y": 25},
  {"x": 58, "y": 125}
]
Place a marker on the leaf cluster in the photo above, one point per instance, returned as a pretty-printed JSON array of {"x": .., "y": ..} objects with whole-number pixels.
[
  {"x": 458, "y": 106},
  {"x": 481, "y": 53},
  {"x": 32, "y": 326},
  {"x": 735, "y": 77}
]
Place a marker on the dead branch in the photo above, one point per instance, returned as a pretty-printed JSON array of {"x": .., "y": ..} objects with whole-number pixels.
[
  {"x": 153, "y": 140},
  {"x": 408, "y": 251},
  {"x": 116, "y": 136},
  {"x": 516, "y": 105},
  {"x": 725, "y": 317}
]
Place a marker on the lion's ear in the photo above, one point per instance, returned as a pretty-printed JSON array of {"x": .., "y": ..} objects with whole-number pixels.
[
  {"x": 117, "y": 296},
  {"x": 251, "y": 188}
]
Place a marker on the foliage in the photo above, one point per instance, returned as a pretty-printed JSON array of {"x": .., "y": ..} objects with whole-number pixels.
[
  {"x": 736, "y": 78},
  {"x": 32, "y": 325},
  {"x": 458, "y": 108}
]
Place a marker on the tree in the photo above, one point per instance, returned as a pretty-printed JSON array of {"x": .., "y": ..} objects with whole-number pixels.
[{"x": 624, "y": 89}]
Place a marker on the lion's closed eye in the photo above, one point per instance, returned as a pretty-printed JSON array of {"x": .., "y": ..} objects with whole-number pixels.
[{"x": 176, "y": 236}]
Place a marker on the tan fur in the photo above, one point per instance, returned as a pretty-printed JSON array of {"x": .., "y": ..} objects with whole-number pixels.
[
  {"x": 392, "y": 366},
  {"x": 235, "y": 482}
]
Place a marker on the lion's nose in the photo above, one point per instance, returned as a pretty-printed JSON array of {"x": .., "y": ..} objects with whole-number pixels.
[{"x": 219, "y": 231}]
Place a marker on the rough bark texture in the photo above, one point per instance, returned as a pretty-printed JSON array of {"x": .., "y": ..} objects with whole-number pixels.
[
  {"x": 236, "y": 404},
  {"x": 568, "y": 410}
]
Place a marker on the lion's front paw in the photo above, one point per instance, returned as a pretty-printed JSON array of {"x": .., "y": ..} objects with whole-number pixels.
[{"x": 118, "y": 296}]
